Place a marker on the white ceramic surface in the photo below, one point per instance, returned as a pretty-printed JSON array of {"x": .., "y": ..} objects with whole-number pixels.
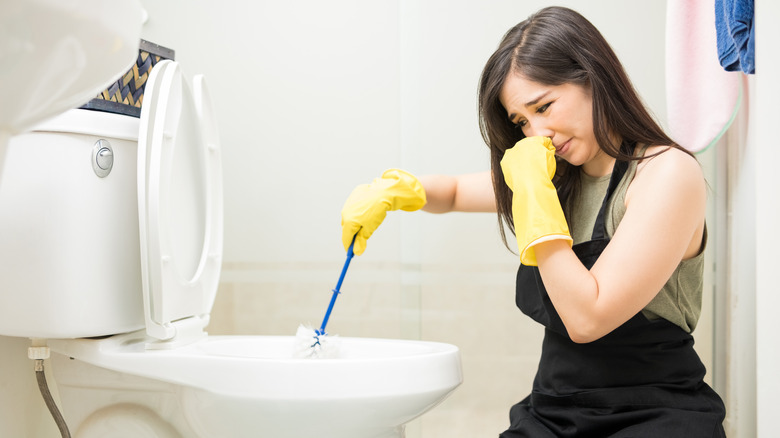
[
  {"x": 59, "y": 218},
  {"x": 249, "y": 386}
]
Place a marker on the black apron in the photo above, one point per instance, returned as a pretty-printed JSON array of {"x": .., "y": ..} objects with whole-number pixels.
[{"x": 643, "y": 379}]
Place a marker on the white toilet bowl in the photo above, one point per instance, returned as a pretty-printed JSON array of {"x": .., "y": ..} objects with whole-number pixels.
[
  {"x": 250, "y": 386},
  {"x": 79, "y": 194}
]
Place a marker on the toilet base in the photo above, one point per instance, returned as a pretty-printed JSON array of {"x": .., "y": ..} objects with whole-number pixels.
[
  {"x": 98, "y": 403},
  {"x": 126, "y": 420}
]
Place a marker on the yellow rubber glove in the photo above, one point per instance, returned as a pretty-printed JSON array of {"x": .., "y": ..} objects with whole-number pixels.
[
  {"x": 536, "y": 211},
  {"x": 367, "y": 206}
]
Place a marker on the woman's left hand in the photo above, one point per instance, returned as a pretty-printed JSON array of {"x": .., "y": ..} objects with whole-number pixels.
[{"x": 537, "y": 215}]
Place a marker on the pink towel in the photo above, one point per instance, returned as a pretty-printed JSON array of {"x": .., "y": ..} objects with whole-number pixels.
[{"x": 702, "y": 99}]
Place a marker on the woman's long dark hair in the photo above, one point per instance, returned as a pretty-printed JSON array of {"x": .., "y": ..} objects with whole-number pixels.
[{"x": 558, "y": 46}]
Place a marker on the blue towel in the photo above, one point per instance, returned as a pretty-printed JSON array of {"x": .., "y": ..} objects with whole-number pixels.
[{"x": 736, "y": 35}]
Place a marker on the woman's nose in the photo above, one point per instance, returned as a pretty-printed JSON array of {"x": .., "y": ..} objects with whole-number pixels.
[
  {"x": 538, "y": 126},
  {"x": 540, "y": 130}
]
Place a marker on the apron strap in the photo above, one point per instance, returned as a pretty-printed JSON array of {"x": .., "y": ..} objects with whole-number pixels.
[{"x": 619, "y": 169}]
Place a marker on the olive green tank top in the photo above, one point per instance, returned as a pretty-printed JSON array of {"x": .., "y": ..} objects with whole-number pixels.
[{"x": 679, "y": 301}]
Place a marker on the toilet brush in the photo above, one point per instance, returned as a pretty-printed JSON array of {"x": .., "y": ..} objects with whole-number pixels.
[{"x": 311, "y": 343}]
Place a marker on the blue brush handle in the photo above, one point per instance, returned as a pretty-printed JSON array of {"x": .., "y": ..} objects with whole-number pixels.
[{"x": 336, "y": 291}]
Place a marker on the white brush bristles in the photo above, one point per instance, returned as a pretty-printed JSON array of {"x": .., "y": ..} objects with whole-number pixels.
[{"x": 310, "y": 345}]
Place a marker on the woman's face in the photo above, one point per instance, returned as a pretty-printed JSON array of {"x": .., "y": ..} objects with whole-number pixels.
[{"x": 562, "y": 112}]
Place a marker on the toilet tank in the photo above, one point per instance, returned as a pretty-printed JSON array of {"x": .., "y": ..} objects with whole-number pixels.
[{"x": 69, "y": 239}]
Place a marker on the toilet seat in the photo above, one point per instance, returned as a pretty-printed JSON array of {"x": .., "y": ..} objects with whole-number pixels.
[{"x": 179, "y": 206}]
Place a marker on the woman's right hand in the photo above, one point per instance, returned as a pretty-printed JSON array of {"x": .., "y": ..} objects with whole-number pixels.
[{"x": 367, "y": 206}]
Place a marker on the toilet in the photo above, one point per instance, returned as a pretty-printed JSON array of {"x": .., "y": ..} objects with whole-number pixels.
[{"x": 111, "y": 244}]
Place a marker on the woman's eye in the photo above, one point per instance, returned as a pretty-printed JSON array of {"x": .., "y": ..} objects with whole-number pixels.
[
  {"x": 543, "y": 108},
  {"x": 521, "y": 124}
]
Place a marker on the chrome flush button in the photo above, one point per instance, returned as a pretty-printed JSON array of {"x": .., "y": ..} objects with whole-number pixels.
[{"x": 102, "y": 158}]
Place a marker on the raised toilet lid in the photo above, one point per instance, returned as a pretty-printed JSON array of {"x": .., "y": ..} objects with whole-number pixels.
[{"x": 179, "y": 205}]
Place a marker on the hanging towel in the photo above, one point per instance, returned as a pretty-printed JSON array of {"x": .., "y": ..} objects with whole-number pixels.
[
  {"x": 736, "y": 35},
  {"x": 701, "y": 98}
]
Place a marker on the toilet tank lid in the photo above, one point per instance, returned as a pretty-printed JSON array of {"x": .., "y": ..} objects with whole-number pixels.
[{"x": 89, "y": 122}]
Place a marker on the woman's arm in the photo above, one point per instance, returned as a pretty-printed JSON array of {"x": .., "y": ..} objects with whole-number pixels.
[
  {"x": 663, "y": 224},
  {"x": 471, "y": 192},
  {"x": 368, "y": 204}
]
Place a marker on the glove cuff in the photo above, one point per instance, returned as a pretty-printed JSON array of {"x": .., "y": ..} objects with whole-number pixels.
[
  {"x": 538, "y": 217},
  {"x": 528, "y": 254}
]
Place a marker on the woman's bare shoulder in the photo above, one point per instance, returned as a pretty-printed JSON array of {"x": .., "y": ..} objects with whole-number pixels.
[
  {"x": 668, "y": 175},
  {"x": 669, "y": 163}
]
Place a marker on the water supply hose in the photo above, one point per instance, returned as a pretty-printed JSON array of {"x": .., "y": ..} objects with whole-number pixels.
[{"x": 39, "y": 353}]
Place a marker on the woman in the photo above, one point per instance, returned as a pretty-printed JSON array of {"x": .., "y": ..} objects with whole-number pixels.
[{"x": 608, "y": 213}]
